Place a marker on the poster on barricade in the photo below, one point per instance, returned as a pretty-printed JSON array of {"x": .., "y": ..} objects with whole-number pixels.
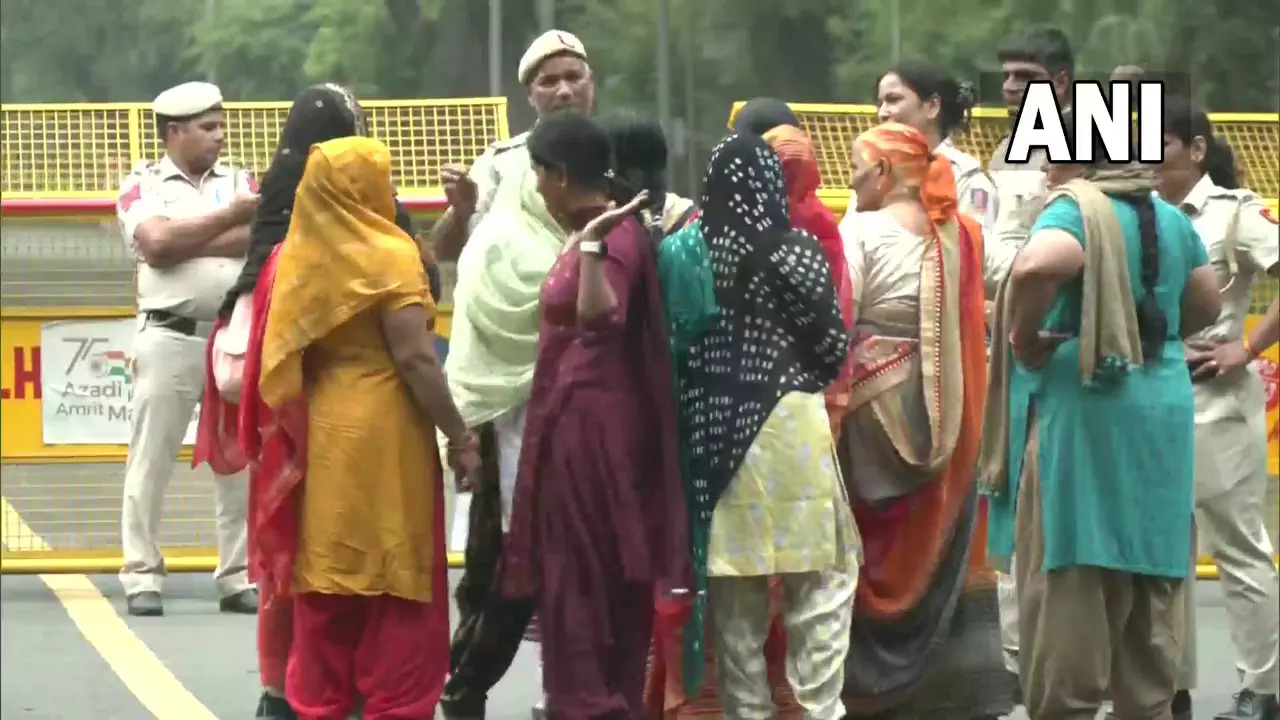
[{"x": 86, "y": 374}]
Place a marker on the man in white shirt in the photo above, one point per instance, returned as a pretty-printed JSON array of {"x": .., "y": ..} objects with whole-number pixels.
[{"x": 186, "y": 219}]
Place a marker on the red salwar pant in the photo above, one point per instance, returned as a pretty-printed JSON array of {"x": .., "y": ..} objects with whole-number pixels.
[
  {"x": 275, "y": 638},
  {"x": 391, "y": 652}
]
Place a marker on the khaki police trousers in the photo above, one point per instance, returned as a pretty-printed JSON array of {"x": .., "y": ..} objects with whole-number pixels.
[
  {"x": 1231, "y": 489},
  {"x": 168, "y": 382}
]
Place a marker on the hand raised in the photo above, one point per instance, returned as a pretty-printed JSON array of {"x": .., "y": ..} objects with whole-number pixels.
[{"x": 604, "y": 223}]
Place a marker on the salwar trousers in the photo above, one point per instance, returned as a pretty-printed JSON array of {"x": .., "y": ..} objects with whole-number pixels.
[
  {"x": 1089, "y": 633},
  {"x": 595, "y": 637},
  {"x": 491, "y": 627},
  {"x": 816, "y": 614},
  {"x": 390, "y": 652},
  {"x": 275, "y": 638}
]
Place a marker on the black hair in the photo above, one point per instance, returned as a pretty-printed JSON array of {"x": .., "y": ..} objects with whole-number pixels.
[
  {"x": 1184, "y": 120},
  {"x": 575, "y": 145},
  {"x": 318, "y": 113},
  {"x": 762, "y": 114},
  {"x": 929, "y": 81},
  {"x": 640, "y": 162},
  {"x": 162, "y": 126},
  {"x": 1153, "y": 325},
  {"x": 1045, "y": 46}
]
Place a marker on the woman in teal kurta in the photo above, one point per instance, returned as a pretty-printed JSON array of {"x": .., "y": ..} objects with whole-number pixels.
[
  {"x": 1099, "y": 464},
  {"x": 1115, "y": 454}
]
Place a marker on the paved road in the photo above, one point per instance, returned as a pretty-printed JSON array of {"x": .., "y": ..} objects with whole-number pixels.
[{"x": 73, "y": 654}]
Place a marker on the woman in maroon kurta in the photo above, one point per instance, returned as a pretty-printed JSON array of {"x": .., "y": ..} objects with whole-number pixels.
[{"x": 598, "y": 518}]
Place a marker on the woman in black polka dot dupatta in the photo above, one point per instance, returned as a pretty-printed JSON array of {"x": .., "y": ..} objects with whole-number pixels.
[{"x": 764, "y": 487}]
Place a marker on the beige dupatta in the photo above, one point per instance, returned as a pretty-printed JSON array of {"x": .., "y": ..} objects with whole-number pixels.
[
  {"x": 903, "y": 384},
  {"x": 1108, "y": 318}
]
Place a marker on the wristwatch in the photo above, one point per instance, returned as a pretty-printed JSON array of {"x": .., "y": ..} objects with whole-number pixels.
[{"x": 594, "y": 247}]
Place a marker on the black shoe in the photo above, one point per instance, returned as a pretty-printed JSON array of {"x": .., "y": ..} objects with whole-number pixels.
[
  {"x": 244, "y": 602},
  {"x": 274, "y": 708},
  {"x": 1249, "y": 705},
  {"x": 145, "y": 604},
  {"x": 1181, "y": 707},
  {"x": 462, "y": 706}
]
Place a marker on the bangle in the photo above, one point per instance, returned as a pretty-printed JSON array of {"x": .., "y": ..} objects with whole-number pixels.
[{"x": 1248, "y": 348}]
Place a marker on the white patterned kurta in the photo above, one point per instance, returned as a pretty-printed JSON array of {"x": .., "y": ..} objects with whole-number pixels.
[{"x": 786, "y": 510}]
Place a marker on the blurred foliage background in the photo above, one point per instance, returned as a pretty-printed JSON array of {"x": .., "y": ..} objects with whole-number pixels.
[{"x": 716, "y": 51}]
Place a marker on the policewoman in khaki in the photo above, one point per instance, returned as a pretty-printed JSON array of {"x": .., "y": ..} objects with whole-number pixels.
[
  {"x": 186, "y": 219},
  {"x": 1243, "y": 242}
]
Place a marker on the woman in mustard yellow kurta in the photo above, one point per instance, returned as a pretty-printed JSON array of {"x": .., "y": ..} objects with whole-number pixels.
[{"x": 348, "y": 335}]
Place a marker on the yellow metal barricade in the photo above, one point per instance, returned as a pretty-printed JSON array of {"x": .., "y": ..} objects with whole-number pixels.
[
  {"x": 64, "y": 259},
  {"x": 84, "y": 150}
]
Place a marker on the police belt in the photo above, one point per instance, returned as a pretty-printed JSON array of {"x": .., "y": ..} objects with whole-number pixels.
[{"x": 177, "y": 323}]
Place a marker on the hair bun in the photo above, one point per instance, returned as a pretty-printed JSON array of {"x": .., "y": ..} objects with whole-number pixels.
[{"x": 965, "y": 95}]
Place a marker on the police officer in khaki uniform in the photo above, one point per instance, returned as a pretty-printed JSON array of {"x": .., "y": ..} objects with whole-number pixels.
[
  {"x": 186, "y": 219},
  {"x": 1039, "y": 53},
  {"x": 1243, "y": 243},
  {"x": 555, "y": 71}
]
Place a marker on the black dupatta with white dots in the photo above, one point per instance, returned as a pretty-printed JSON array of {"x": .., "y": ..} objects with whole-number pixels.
[{"x": 779, "y": 329}]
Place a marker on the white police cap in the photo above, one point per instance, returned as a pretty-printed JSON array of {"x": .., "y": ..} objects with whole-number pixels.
[
  {"x": 187, "y": 100},
  {"x": 551, "y": 42}
]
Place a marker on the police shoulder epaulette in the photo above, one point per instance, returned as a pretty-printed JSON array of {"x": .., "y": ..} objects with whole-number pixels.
[
  {"x": 965, "y": 164},
  {"x": 510, "y": 143},
  {"x": 1239, "y": 195},
  {"x": 143, "y": 167}
]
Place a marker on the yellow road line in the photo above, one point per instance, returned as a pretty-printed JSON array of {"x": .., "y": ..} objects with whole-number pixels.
[
  {"x": 124, "y": 652},
  {"x": 138, "y": 668}
]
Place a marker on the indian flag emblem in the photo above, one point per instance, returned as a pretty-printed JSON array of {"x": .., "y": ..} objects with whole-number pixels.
[{"x": 112, "y": 364}]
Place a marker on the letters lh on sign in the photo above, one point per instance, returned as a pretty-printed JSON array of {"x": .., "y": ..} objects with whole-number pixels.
[{"x": 1098, "y": 116}]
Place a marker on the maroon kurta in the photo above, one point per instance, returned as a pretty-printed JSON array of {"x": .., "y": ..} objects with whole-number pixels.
[{"x": 599, "y": 516}]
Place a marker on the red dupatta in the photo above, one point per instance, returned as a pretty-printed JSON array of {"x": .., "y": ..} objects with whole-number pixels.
[
  {"x": 217, "y": 436},
  {"x": 275, "y": 440}
]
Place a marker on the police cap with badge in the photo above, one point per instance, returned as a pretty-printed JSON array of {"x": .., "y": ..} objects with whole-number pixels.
[
  {"x": 186, "y": 101},
  {"x": 549, "y": 44}
]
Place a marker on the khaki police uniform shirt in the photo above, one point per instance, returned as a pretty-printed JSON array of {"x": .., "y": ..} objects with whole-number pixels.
[
  {"x": 1257, "y": 248},
  {"x": 193, "y": 289},
  {"x": 1021, "y": 191},
  {"x": 975, "y": 191},
  {"x": 503, "y": 159},
  {"x": 1236, "y": 397}
]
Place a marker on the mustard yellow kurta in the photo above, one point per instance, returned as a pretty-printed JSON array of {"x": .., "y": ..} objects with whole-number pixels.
[{"x": 367, "y": 502}]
